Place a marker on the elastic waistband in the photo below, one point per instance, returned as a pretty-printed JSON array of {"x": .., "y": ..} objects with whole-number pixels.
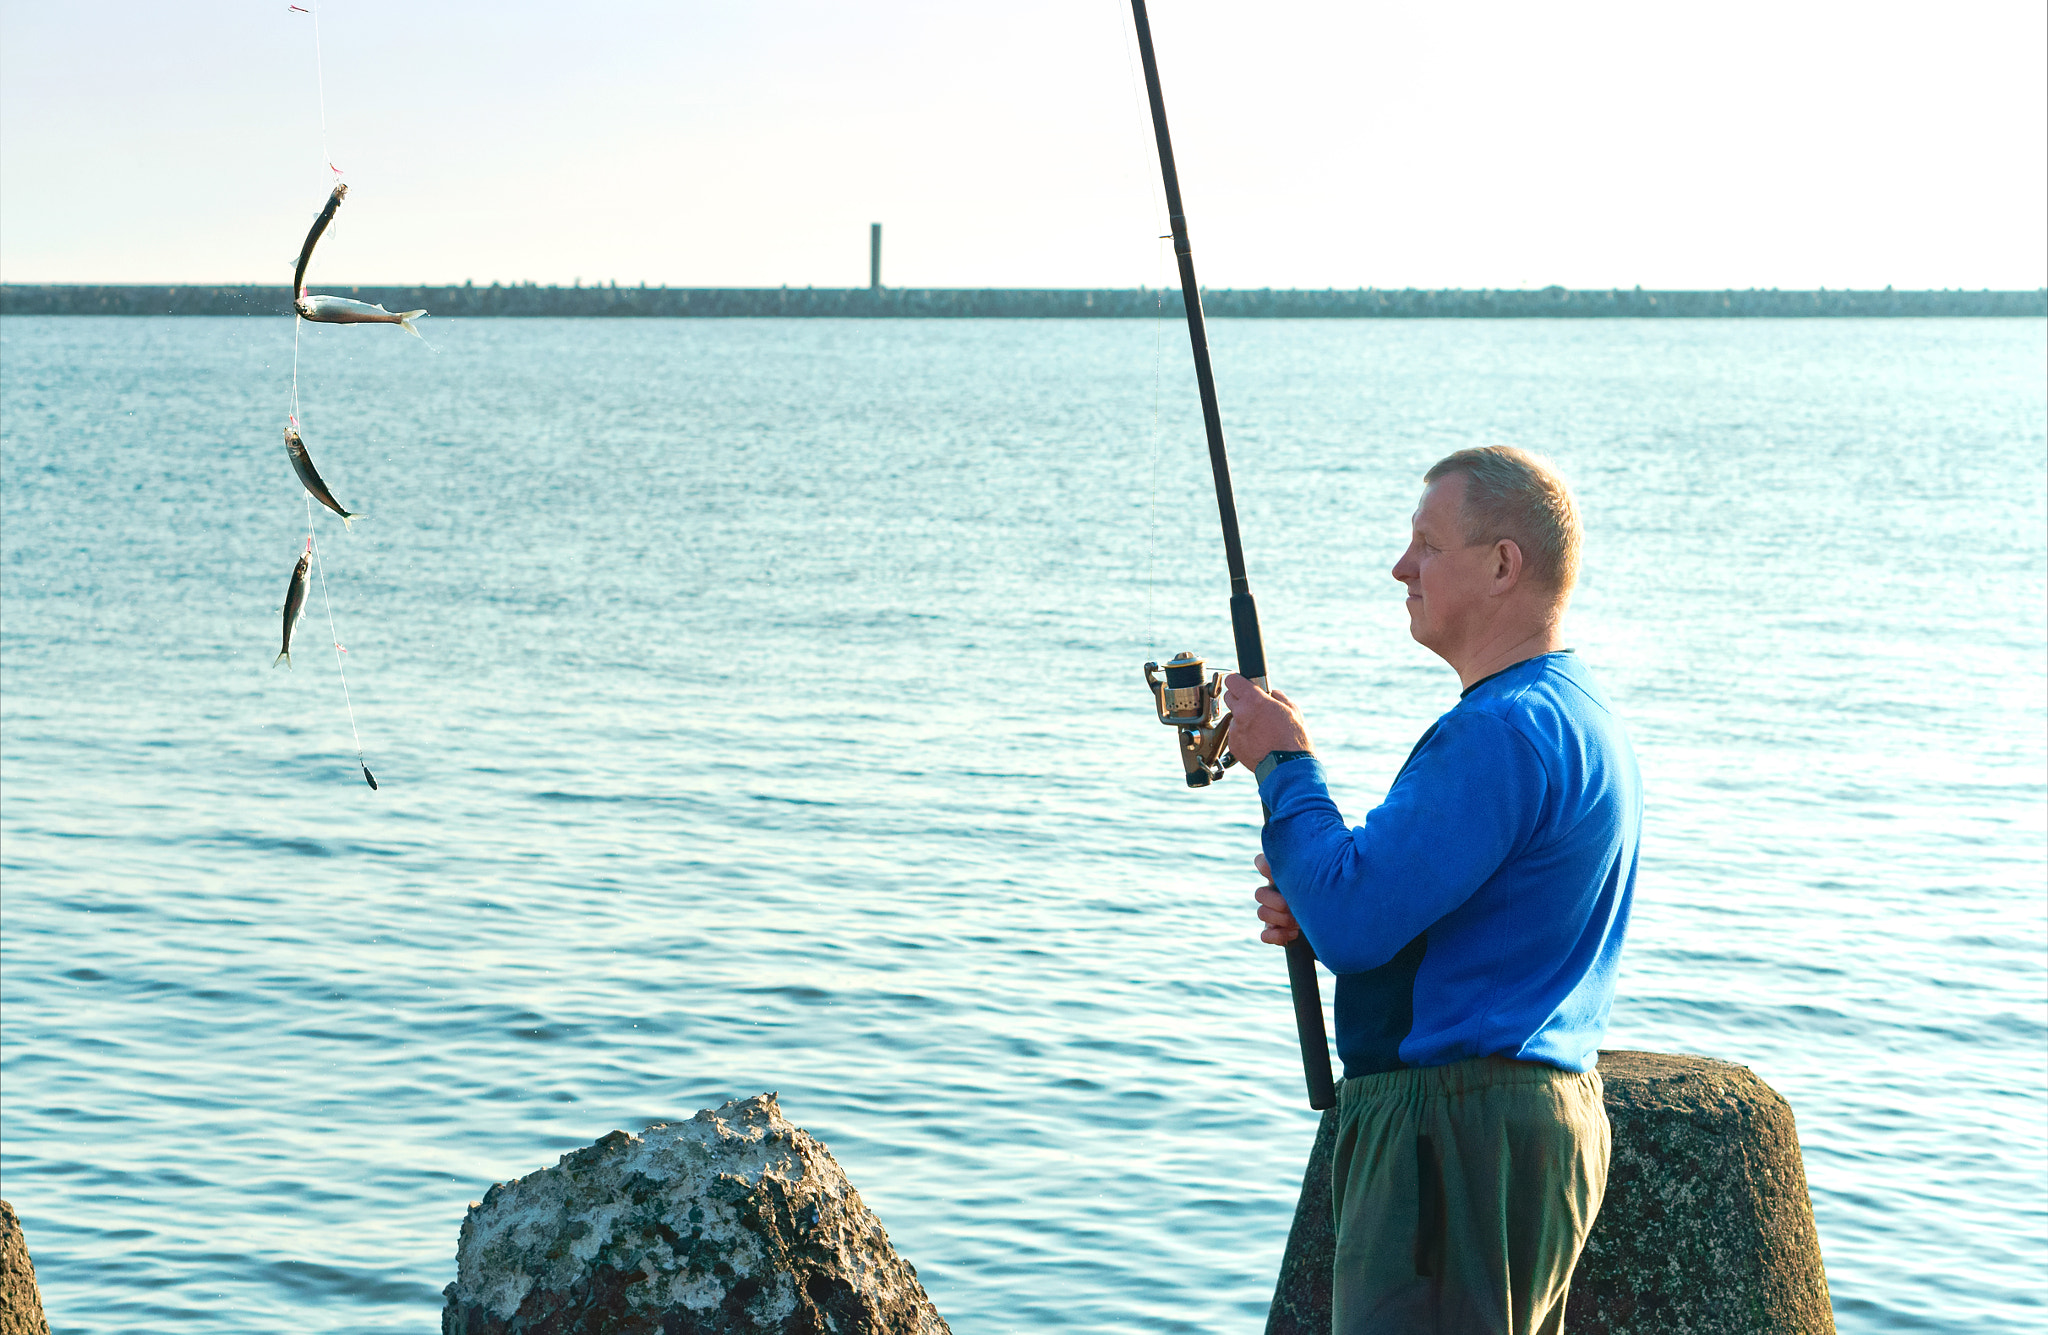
[{"x": 1461, "y": 1078}]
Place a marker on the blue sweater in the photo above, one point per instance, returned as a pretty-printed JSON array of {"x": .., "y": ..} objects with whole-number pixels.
[{"x": 1480, "y": 909}]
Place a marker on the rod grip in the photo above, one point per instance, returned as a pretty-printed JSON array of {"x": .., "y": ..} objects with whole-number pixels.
[
  {"x": 1244, "y": 629},
  {"x": 1308, "y": 1023}
]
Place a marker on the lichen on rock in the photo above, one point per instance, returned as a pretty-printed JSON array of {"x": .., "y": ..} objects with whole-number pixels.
[{"x": 734, "y": 1221}]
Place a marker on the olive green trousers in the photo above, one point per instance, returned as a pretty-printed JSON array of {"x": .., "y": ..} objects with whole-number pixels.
[{"x": 1463, "y": 1194}]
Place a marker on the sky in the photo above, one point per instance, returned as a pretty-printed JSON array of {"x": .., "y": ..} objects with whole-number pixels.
[{"x": 1369, "y": 143}]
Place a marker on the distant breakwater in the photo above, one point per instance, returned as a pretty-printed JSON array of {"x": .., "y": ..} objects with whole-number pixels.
[{"x": 533, "y": 301}]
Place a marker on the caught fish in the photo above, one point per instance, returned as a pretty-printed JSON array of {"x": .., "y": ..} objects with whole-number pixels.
[
  {"x": 294, "y": 603},
  {"x": 302, "y": 464},
  {"x": 313, "y": 239},
  {"x": 347, "y": 310}
]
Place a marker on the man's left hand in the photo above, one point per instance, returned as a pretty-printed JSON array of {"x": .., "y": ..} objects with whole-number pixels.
[
  {"x": 1280, "y": 925},
  {"x": 1261, "y": 721}
]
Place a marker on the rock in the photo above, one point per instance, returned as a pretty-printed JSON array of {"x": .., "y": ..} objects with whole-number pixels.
[
  {"x": 1301, "y": 1302},
  {"x": 21, "y": 1302},
  {"x": 732, "y": 1222},
  {"x": 1707, "y": 1228}
]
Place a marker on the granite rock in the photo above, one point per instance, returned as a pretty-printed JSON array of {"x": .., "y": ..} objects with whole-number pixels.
[
  {"x": 1707, "y": 1228},
  {"x": 1301, "y": 1301},
  {"x": 732, "y": 1223},
  {"x": 21, "y": 1302}
]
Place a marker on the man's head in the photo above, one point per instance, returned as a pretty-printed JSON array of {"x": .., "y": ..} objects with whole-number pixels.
[{"x": 1494, "y": 554}]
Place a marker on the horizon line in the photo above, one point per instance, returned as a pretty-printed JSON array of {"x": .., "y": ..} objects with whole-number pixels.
[{"x": 576, "y": 285}]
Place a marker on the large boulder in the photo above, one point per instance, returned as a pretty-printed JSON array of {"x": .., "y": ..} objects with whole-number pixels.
[
  {"x": 1707, "y": 1226},
  {"x": 21, "y": 1302},
  {"x": 1706, "y": 1229},
  {"x": 732, "y": 1223}
]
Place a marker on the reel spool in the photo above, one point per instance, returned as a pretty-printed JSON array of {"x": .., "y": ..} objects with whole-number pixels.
[{"x": 1193, "y": 707}]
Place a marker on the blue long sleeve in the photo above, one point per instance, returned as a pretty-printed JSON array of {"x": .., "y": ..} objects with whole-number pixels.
[
  {"x": 1480, "y": 909},
  {"x": 1463, "y": 804}
]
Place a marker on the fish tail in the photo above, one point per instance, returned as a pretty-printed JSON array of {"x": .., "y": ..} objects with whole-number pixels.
[
  {"x": 346, "y": 516},
  {"x": 284, "y": 658},
  {"x": 405, "y": 320}
]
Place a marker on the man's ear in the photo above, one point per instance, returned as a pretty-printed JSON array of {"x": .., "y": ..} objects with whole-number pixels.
[{"x": 1507, "y": 565}]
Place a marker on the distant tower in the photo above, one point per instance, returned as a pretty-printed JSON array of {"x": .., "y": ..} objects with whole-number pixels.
[{"x": 874, "y": 257}]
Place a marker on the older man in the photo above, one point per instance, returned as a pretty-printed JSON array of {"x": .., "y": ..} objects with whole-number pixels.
[{"x": 1473, "y": 921}]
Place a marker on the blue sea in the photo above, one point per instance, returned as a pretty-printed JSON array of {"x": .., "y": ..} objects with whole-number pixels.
[{"x": 757, "y": 706}]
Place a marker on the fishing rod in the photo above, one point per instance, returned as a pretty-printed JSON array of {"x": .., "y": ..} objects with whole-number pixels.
[{"x": 1185, "y": 702}]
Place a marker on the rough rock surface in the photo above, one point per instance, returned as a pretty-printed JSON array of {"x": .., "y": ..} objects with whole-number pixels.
[
  {"x": 1707, "y": 1228},
  {"x": 21, "y": 1302},
  {"x": 732, "y": 1222},
  {"x": 1301, "y": 1301}
]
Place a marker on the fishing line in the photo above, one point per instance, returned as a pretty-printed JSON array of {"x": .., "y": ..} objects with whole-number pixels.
[
  {"x": 1152, "y": 463},
  {"x": 334, "y": 634},
  {"x": 1155, "y": 205},
  {"x": 298, "y": 326},
  {"x": 320, "y": 83}
]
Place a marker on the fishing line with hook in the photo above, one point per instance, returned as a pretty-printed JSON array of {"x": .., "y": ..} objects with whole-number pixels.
[{"x": 334, "y": 634}]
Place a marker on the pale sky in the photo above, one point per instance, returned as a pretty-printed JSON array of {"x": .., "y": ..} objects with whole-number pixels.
[{"x": 1789, "y": 144}]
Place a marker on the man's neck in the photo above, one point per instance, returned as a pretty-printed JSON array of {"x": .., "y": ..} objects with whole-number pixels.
[{"x": 1507, "y": 649}]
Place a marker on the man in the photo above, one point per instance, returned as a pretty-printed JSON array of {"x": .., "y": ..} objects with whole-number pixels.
[{"x": 1473, "y": 921}]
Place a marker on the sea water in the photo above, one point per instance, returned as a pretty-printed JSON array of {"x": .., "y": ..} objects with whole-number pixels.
[{"x": 757, "y": 707}]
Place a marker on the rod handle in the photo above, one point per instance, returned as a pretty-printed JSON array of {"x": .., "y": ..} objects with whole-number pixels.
[
  {"x": 1244, "y": 629},
  {"x": 1308, "y": 1023}
]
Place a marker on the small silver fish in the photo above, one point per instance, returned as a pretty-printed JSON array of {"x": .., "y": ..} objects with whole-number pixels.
[
  {"x": 347, "y": 310},
  {"x": 294, "y": 603},
  {"x": 313, "y": 239},
  {"x": 302, "y": 464}
]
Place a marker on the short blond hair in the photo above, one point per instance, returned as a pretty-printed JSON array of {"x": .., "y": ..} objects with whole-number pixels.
[{"x": 1513, "y": 494}]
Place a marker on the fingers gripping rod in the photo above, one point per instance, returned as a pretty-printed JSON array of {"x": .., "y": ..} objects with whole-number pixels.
[{"x": 1244, "y": 613}]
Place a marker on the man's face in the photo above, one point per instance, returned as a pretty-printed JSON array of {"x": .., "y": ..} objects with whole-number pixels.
[{"x": 1449, "y": 583}]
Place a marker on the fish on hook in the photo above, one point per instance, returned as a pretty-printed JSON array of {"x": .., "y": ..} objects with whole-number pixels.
[
  {"x": 302, "y": 464},
  {"x": 347, "y": 310},
  {"x": 313, "y": 239},
  {"x": 294, "y": 603}
]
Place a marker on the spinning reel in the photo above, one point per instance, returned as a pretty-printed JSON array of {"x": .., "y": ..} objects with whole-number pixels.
[{"x": 1192, "y": 706}]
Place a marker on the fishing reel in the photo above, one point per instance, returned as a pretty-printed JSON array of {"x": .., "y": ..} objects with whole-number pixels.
[{"x": 1193, "y": 707}]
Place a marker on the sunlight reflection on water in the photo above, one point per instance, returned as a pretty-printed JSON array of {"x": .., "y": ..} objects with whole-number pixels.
[{"x": 757, "y": 707}]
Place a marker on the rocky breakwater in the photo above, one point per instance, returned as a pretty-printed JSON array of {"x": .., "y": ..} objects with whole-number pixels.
[
  {"x": 732, "y": 1223},
  {"x": 21, "y": 1303},
  {"x": 1707, "y": 1227}
]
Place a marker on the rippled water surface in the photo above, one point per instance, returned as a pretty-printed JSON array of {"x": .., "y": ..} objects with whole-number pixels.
[{"x": 757, "y": 707}]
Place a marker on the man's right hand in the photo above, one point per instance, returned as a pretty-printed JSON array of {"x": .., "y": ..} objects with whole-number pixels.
[
  {"x": 1280, "y": 925},
  {"x": 1261, "y": 721}
]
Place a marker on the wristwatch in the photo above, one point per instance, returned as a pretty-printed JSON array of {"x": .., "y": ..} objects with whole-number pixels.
[{"x": 1275, "y": 759}]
